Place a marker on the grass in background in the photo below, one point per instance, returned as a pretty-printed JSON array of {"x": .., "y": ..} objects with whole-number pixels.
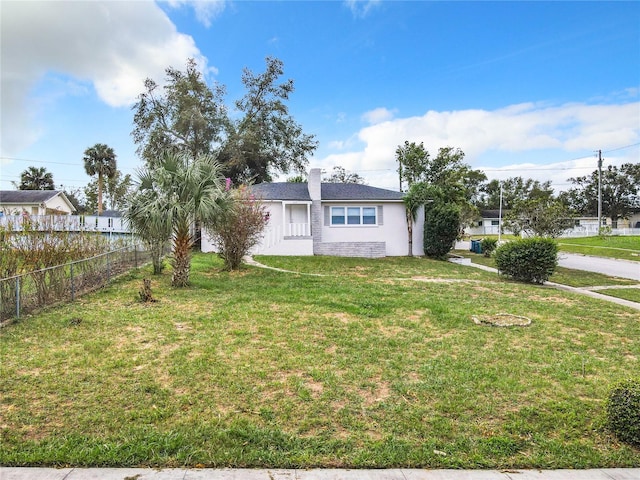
[
  {"x": 375, "y": 364},
  {"x": 622, "y": 247}
]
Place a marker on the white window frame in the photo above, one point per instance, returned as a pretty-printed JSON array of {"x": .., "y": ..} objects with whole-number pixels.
[{"x": 361, "y": 216}]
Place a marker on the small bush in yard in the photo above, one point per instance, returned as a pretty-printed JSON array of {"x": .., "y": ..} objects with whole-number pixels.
[
  {"x": 528, "y": 260},
  {"x": 488, "y": 245},
  {"x": 623, "y": 411}
]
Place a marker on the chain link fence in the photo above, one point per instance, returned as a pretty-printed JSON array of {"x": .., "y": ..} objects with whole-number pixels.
[{"x": 22, "y": 294}]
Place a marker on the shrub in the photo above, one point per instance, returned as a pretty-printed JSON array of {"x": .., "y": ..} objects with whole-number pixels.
[
  {"x": 623, "y": 411},
  {"x": 488, "y": 245},
  {"x": 441, "y": 228},
  {"x": 529, "y": 259},
  {"x": 238, "y": 229}
]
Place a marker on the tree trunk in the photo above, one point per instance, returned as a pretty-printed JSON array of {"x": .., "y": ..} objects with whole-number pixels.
[
  {"x": 99, "y": 193},
  {"x": 156, "y": 259},
  {"x": 181, "y": 257},
  {"x": 410, "y": 232}
]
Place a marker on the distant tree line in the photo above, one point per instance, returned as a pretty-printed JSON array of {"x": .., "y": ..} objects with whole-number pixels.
[{"x": 449, "y": 188}]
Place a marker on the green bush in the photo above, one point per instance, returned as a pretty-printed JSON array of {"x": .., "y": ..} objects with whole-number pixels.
[
  {"x": 441, "y": 229},
  {"x": 528, "y": 259},
  {"x": 488, "y": 246},
  {"x": 623, "y": 411}
]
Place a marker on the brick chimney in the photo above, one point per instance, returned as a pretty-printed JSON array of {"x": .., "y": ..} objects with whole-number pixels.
[
  {"x": 315, "y": 192},
  {"x": 315, "y": 180}
]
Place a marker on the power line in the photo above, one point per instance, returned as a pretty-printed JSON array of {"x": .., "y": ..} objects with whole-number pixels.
[
  {"x": 38, "y": 161},
  {"x": 621, "y": 148},
  {"x": 47, "y": 162}
]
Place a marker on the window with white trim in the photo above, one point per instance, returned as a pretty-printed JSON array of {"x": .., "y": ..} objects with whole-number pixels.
[{"x": 354, "y": 216}]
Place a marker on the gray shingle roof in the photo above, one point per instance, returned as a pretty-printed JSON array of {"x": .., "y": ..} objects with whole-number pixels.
[
  {"x": 281, "y": 191},
  {"x": 354, "y": 191},
  {"x": 490, "y": 213},
  {"x": 26, "y": 196},
  {"x": 330, "y": 191}
]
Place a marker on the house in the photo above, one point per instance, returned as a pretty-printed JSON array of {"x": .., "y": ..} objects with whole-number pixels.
[
  {"x": 340, "y": 219},
  {"x": 489, "y": 223},
  {"x": 35, "y": 202}
]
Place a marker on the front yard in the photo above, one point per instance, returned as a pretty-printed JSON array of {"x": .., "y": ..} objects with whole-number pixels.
[{"x": 376, "y": 363}]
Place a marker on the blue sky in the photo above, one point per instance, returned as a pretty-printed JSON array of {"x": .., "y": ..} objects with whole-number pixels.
[{"x": 524, "y": 88}]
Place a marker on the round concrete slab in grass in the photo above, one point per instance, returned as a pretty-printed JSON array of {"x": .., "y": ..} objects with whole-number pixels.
[{"x": 501, "y": 320}]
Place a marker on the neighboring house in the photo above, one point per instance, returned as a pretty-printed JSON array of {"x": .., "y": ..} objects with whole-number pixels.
[
  {"x": 489, "y": 223},
  {"x": 340, "y": 219},
  {"x": 35, "y": 202}
]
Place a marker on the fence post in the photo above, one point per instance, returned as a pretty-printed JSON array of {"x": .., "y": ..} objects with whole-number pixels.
[
  {"x": 135, "y": 255},
  {"x": 72, "y": 284},
  {"x": 17, "y": 297},
  {"x": 108, "y": 268}
]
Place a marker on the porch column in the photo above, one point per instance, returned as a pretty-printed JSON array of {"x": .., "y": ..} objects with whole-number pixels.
[
  {"x": 285, "y": 233},
  {"x": 308, "y": 227}
]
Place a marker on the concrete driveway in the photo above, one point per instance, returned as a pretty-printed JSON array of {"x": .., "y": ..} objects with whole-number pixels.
[{"x": 607, "y": 266}]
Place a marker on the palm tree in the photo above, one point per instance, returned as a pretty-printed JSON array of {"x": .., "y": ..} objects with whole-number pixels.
[
  {"x": 152, "y": 227},
  {"x": 100, "y": 160},
  {"x": 34, "y": 178},
  {"x": 174, "y": 194}
]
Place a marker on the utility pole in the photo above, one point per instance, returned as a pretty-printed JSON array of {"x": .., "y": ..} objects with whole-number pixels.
[
  {"x": 599, "y": 190},
  {"x": 500, "y": 215}
]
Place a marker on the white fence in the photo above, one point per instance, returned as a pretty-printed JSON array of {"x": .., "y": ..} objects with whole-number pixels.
[
  {"x": 592, "y": 232},
  {"x": 571, "y": 233},
  {"x": 65, "y": 223}
]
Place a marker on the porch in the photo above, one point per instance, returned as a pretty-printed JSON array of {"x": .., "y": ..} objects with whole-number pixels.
[{"x": 288, "y": 231}]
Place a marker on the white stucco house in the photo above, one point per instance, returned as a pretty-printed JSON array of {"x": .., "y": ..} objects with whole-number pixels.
[
  {"x": 35, "y": 202},
  {"x": 340, "y": 219}
]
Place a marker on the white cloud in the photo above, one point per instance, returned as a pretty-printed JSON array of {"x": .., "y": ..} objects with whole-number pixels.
[
  {"x": 113, "y": 46},
  {"x": 361, "y": 8},
  {"x": 377, "y": 115},
  {"x": 512, "y": 135},
  {"x": 205, "y": 10}
]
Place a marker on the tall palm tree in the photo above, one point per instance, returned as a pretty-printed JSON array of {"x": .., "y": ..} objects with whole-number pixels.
[
  {"x": 174, "y": 194},
  {"x": 36, "y": 178},
  {"x": 100, "y": 160}
]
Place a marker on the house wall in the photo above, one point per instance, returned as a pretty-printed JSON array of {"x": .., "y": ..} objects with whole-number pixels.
[
  {"x": 57, "y": 205},
  {"x": 275, "y": 239},
  {"x": 388, "y": 239}
]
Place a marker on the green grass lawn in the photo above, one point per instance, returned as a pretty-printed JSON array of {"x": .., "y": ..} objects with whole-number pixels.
[
  {"x": 377, "y": 363},
  {"x": 622, "y": 247},
  {"x": 631, "y": 294}
]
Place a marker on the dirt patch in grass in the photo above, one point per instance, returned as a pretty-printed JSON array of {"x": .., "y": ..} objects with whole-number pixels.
[
  {"x": 345, "y": 318},
  {"x": 183, "y": 327},
  {"x": 376, "y": 395},
  {"x": 560, "y": 300}
]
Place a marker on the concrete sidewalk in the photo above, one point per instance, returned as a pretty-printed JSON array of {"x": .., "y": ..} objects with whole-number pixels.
[{"x": 10, "y": 473}]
